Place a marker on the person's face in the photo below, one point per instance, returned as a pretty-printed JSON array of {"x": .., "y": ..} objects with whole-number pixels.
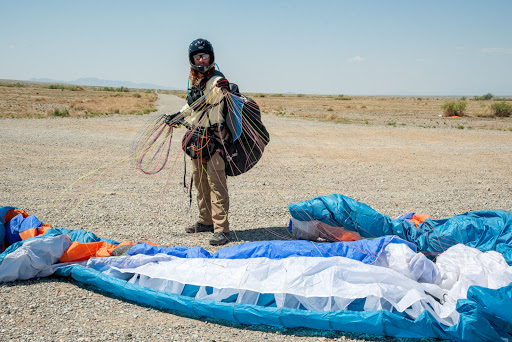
[{"x": 202, "y": 59}]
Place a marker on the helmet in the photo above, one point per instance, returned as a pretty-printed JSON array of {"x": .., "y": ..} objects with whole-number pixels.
[{"x": 197, "y": 46}]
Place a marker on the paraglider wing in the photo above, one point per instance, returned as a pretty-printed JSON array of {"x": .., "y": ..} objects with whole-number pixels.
[
  {"x": 376, "y": 286},
  {"x": 249, "y": 134},
  {"x": 234, "y": 118}
]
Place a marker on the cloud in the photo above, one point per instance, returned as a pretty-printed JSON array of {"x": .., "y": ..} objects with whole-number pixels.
[
  {"x": 507, "y": 51},
  {"x": 11, "y": 46},
  {"x": 356, "y": 59}
]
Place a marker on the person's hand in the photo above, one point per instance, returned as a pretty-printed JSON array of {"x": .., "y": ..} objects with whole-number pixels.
[
  {"x": 223, "y": 84},
  {"x": 170, "y": 119}
]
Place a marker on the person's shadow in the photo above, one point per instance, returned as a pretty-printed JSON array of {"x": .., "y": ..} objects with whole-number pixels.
[{"x": 262, "y": 234}]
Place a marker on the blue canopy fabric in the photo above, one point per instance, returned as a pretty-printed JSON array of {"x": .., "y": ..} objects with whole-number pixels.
[
  {"x": 366, "y": 251},
  {"x": 486, "y": 230}
]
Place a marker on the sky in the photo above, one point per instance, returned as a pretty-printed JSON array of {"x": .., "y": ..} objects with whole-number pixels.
[{"x": 364, "y": 47}]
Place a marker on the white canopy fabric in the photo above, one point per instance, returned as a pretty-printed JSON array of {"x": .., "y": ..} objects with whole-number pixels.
[{"x": 400, "y": 279}]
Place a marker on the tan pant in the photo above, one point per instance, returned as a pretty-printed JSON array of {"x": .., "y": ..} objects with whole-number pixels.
[{"x": 212, "y": 192}]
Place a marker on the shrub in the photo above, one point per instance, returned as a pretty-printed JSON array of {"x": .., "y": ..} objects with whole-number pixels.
[
  {"x": 15, "y": 85},
  {"x": 63, "y": 87},
  {"x": 501, "y": 109},
  {"x": 75, "y": 88},
  {"x": 454, "y": 108},
  {"x": 485, "y": 97},
  {"x": 342, "y": 97},
  {"x": 137, "y": 95},
  {"x": 149, "y": 110},
  {"x": 56, "y": 86},
  {"x": 59, "y": 112},
  {"x": 120, "y": 89}
]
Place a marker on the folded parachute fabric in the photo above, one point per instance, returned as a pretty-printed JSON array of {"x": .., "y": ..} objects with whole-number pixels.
[
  {"x": 32, "y": 257},
  {"x": 377, "y": 286},
  {"x": 486, "y": 230}
]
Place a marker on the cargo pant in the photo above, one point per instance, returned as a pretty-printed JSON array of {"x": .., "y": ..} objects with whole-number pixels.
[{"x": 212, "y": 192}]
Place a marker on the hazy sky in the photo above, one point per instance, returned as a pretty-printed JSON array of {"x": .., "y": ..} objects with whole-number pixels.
[{"x": 372, "y": 47}]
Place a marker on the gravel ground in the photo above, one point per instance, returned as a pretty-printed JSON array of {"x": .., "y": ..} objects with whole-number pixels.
[{"x": 440, "y": 172}]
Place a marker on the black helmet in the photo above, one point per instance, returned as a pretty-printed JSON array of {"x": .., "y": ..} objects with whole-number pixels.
[{"x": 197, "y": 46}]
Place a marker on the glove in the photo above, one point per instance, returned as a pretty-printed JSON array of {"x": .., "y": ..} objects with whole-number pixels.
[
  {"x": 223, "y": 84},
  {"x": 169, "y": 118}
]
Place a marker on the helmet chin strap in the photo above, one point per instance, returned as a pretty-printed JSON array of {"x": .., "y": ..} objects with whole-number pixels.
[{"x": 203, "y": 69}]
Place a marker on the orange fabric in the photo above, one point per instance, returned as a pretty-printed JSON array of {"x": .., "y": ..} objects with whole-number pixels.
[
  {"x": 31, "y": 232},
  {"x": 44, "y": 228},
  {"x": 14, "y": 212},
  {"x": 151, "y": 243},
  {"x": 123, "y": 244},
  {"x": 108, "y": 251},
  {"x": 454, "y": 117},
  {"x": 331, "y": 233},
  {"x": 79, "y": 251},
  {"x": 28, "y": 233},
  {"x": 105, "y": 250},
  {"x": 419, "y": 218}
]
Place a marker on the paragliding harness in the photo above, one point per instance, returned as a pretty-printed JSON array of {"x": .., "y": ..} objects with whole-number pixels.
[{"x": 201, "y": 142}]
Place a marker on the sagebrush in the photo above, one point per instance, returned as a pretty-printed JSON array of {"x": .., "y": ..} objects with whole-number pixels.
[{"x": 454, "y": 108}]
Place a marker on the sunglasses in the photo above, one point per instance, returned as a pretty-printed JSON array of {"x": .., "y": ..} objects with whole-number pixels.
[{"x": 203, "y": 56}]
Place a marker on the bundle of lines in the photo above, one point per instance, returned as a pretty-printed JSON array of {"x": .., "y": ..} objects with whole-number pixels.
[{"x": 151, "y": 149}]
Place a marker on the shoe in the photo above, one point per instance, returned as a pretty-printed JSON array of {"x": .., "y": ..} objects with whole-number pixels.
[
  {"x": 199, "y": 228},
  {"x": 219, "y": 239}
]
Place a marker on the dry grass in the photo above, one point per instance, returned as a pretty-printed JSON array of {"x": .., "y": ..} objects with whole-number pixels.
[
  {"x": 36, "y": 101},
  {"x": 25, "y": 99},
  {"x": 378, "y": 110}
]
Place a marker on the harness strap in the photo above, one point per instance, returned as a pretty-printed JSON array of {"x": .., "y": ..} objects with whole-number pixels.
[
  {"x": 185, "y": 183},
  {"x": 184, "y": 171},
  {"x": 190, "y": 192}
]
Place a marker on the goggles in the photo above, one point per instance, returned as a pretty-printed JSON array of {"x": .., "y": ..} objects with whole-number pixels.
[{"x": 202, "y": 56}]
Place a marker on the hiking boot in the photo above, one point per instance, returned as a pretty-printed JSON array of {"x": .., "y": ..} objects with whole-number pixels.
[
  {"x": 219, "y": 239},
  {"x": 199, "y": 228}
]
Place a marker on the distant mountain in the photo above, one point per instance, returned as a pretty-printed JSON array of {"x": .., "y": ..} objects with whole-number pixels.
[{"x": 104, "y": 83}]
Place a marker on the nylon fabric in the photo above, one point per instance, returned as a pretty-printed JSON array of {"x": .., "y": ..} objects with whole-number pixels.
[
  {"x": 484, "y": 230},
  {"x": 32, "y": 257},
  {"x": 464, "y": 296},
  {"x": 322, "y": 284}
]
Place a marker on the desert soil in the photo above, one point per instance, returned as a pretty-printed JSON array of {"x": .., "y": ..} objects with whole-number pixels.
[{"x": 393, "y": 168}]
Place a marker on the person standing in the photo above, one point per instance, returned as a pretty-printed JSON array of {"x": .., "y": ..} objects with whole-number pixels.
[{"x": 207, "y": 121}]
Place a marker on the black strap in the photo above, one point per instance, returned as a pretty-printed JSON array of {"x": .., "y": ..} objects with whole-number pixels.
[
  {"x": 184, "y": 171},
  {"x": 190, "y": 192}
]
